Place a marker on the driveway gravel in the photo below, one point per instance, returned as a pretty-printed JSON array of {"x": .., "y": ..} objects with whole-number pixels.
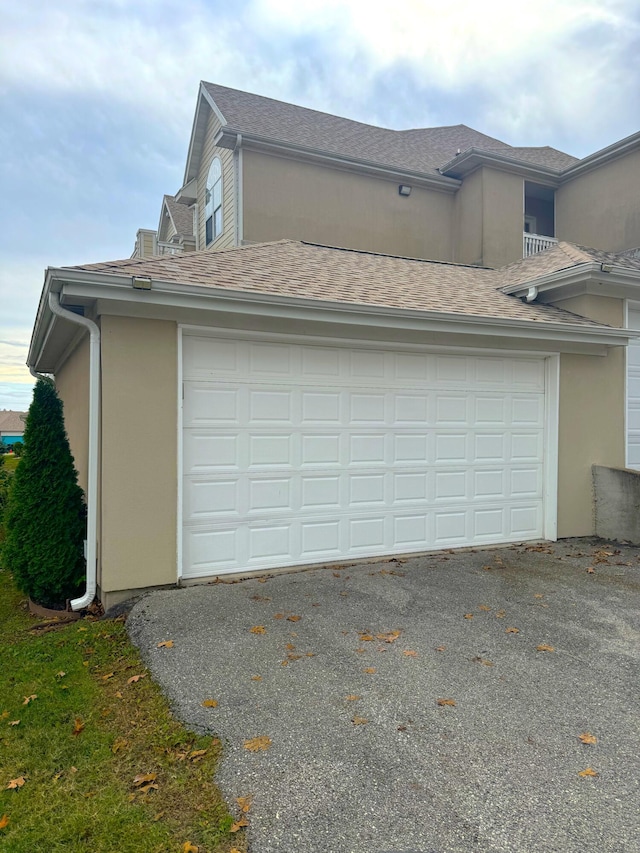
[{"x": 362, "y": 758}]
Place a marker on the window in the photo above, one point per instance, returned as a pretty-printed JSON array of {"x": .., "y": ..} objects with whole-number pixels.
[{"x": 213, "y": 202}]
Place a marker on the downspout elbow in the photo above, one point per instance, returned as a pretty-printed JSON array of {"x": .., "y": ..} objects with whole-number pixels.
[
  {"x": 532, "y": 294},
  {"x": 92, "y": 462}
]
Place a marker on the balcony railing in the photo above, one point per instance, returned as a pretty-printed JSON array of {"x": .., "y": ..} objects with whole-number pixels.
[
  {"x": 534, "y": 243},
  {"x": 164, "y": 248}
]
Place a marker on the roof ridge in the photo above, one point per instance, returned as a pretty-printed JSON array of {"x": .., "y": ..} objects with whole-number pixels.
[
  {"x": 387, "y": 255},
  {"x": 574, "y": 252}
]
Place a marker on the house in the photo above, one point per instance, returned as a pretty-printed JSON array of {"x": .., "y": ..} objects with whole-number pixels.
[
  {"x": 342, "y": 342},
  {"x": 11, "y": 427}
]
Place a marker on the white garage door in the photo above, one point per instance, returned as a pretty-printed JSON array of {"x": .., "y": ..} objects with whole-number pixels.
[{"x": 296, "y": 454}]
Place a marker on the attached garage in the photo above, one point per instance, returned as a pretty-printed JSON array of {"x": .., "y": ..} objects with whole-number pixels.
[{"x": 298, "y": 453}]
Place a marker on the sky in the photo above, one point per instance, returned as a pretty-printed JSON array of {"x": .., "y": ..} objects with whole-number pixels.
[{"x": 97, "y": 99}]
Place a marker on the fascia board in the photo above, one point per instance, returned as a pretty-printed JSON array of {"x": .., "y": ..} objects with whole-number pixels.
[
  {"x": 195, "y": 152},
  {"x": 590, "y": 276},
  {"x": 164, "y": 206},
  {"x": 166, "y": 293},
  {"x": 227, "y": 138},
  {"x": 42, "y": 321},
  {"x": 611, "y": 152},
  {"x": 475, "y": 157}
]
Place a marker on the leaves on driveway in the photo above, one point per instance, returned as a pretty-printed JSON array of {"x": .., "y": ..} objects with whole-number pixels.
[
  {"x": 258, "y": 629},
  {"x": 210, "y": 703},
  {"x": 445, "y": 702},
  {"x": 409, "y": 653},
  {"x": 587, "y": 737},
  {"x": 483, "y": 661},
  {"x": 543, "y": 647},
  {"x": 256, "y": 744},
  {"x": 166, "y": 644},
  {"x": 370, "y": 670},
  {"x": 352, "y": 698},
  {"x": 589, "y": 771},
  {"x": 512, "y": 630},
  {"x": 359, "y": 721}
]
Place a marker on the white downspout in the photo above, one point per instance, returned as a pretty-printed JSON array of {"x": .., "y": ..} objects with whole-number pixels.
[{"x": 92, "y": 463}]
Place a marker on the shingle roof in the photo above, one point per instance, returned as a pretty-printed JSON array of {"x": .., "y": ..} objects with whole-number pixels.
[
  {"x": 11, "y": 422},
  {"x": 182, "y": 216},
  {"x": 563, "y": 256},
  {"x": 311, "y": 272},
  {"x": 418, "y": 149}
]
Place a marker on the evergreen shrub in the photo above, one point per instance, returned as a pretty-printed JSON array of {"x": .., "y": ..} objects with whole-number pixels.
[{"x": 45, "y": 516}]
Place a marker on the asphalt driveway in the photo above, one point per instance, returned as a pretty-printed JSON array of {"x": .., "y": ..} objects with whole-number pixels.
[{"x": 339, "y": 673}]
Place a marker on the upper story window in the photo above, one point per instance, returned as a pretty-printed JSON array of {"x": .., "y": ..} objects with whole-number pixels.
[{"x": 213, "y": 202}]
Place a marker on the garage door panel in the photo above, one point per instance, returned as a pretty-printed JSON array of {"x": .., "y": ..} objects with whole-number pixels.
[{"x": 295, "y": 453}]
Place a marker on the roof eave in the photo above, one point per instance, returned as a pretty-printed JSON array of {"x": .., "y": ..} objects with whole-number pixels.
[
  {"x": 228, "y": 137},
  {"x": 598, "y": 158},
  {"x": 93, "y": 285},
  {"x": 469, "y": 160},
  {"x": 592, "y": 277},
  {"x": 198, "y": 129}
]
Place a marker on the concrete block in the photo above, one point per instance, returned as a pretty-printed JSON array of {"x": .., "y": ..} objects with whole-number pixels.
[{"x": 617, "y": 503}]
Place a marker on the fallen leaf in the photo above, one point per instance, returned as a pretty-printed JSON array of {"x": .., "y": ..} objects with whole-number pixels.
[
  {"x": 359, "y": 721},
  {"x": 158, "y": 816},
  {"x": 278, "y": 615},
  {"x": 260, "y": 598},
  {"x": 196, "y": 754},
  {"x": 119, "y": 744},
  {"x": 290, "y": 647},
  {"x": 337, "y": 575},
  {"x": 487, "y": 568},
  {"x": 359, "y": 651},
  {"x": 108, "y": 676},
  {"x": 500, "y": 614},
  {"x": 484, "y": 607},
  {"x": 440, "y": 648},
  {"x": 134, "y": 680},
  {"x": 468, "y": 615},
  {"x": 538, "y": 595},
  {"x": 235, "y": 850},
  {"x": 543, "y": 647},
  {"x": 512, "y": 630},
  {"x": 481, "y": 660},
  {"x": 14, "y": 723},
  {"x": 591, "y": 570},
  {"x": 294, "y": 618},
  {"x": 262, "y": 580},
  {"x": 151, "y": 786},
  {"x": 210, "y": 703},
  {"x": 143, "y": 778},
  {"x": 588, "y": 772},
  {"x": 14, "y": 784},
  {"x": 118, "y": 695},
  {"x": 245, "y": 802},
  {"x": 256, "y": 744},
  {"x": 370, "y": 670},
  {"x": 256, "y": 678},
  {"x": 409, "y": 653},
  {"x": 4, "y": 821},
  {"x": 188, "y": 847},
  {"x": 352, "y": 698},
  {"x": 586, "y": 737},
  {"x": 28, "y": 699},
  {"x": 239, "y": 824},
  {"x": 78, "y": 726},
  {"x": 60, "y": 674},
  {"x": 451, "y": 702},
  {"x": 389, "y": 637},
  {"x": 258, "y": 629},
  {"x": 165, "y": 644},
  {"x": 284, "y": 663}
]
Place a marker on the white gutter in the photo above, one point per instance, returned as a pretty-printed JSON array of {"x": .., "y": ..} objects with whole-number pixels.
[{"x": 94, "y": 421}]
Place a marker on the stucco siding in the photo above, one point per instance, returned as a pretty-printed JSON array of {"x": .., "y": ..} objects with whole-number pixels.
[
  {"x": 468, "y": 218},
  {"x": 72, "y": 382},
  {"x": 600, "y": 208},
  {"x": 139, "y": 441},
  {"x": 228, "y": 236},
  {"x": 591, "y": 427},
  {"x": 502, "y": 216},
  {"x": 285, "y": 198}
]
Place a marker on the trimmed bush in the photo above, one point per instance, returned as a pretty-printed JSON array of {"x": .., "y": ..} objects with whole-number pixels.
[
  {"x": 45, "y": 516},
  {"x": 17, "y": 448}
]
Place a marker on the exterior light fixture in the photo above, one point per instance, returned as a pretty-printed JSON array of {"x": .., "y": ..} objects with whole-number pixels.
[
  {"x": 141, "y": 283},
  {"x": 606, "y": 267},
  {"x": 403, "y": 189}
]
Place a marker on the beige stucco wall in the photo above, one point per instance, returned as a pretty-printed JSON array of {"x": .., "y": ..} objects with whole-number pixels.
[
  {"x": 600, "y": 208},
  {"x": 72, "y": 382},
  {"x": 139, "y": 447},
  {"x": 285, "y": 198},
  {"x": 591, "y": 428},
  {"x": 468, "y": 220},
  {"x": 209, "y": 151},
  {"x": 503, "y": 217},
  {"x": 489, "y": 218}
]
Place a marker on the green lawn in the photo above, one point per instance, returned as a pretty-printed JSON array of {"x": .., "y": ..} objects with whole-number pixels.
[
  {"x": 11, "y": 462},
  {"x": 84, "y": 735}
]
